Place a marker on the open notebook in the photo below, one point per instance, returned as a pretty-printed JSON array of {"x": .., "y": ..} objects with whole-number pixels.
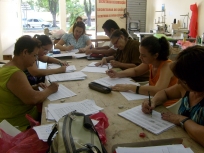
[{"x": 152, "y": 123}]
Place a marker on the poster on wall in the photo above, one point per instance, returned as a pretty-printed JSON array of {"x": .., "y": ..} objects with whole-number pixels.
[{"x": 110, "y": 9}]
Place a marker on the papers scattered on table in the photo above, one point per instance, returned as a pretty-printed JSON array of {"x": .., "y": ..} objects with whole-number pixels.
[
  {"x": 79, "y": 55},
  {"x": 66, "y": 76},
  {"x": 62, "y": 92},
  {"x": 63, "y": 55},
  {"x": 152, "y": 123},
  {"x": 179, "y": 148},
  {"x": 98, "y": 69},
  {"x": 56, "y": 111},
  {"x": 43, "y": 131},
  {"x": 108, "y": 82},
  {"x": 70, "y": 68}
]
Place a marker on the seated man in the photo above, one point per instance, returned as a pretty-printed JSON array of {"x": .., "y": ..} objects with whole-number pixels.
[{"x": 109, "y": 26}]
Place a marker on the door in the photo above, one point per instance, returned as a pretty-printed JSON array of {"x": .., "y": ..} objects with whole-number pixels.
[{"x": 137, "y": 12}]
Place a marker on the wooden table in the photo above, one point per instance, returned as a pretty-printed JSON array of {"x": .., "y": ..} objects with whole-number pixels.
[
  {"x": 97, "y": 39},
  {"x": 120, "y": 130}
]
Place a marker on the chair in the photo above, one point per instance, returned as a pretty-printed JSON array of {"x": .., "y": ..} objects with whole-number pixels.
[
  {"x": 134, "y": 26},
  {"x": 174, "y": 108}
]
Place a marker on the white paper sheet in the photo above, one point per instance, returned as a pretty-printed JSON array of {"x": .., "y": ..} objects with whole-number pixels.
[
  {"x": 8, "y": 128},
  {"x": 70, "y": 68},
  {"x": 66, "y": 76},
  {"x": 178, "y": 148},
  {"x": 133, "y": 96},
  {"x": 97, "y": 69},
  {"x": 86, "y": 106},
  {"x": 63, "y": 92},
  {"x": 152, "y": 123}
]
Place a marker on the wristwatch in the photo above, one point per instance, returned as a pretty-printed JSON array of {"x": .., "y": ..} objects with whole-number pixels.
[{"x": 183, "y": 121}]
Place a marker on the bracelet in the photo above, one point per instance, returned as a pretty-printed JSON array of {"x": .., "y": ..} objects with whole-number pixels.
[{"x": 137, "y": 89}]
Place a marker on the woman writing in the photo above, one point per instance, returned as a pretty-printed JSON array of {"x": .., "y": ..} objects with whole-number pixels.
[
  {"x": 154, "y": 55},
  {"x": 36, "y": 75},
  {"x": 127, "y": 55},
  {"x": 188, "y": 68},
  {"x": 18, "y": 97},
  {"x": 75, "y": 40}
]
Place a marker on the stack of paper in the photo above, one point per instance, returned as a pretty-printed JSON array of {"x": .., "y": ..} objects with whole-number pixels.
[
  {"x": 153, "y": 123},
  {"x": 63, "y": 55},
  {"x": 56, "y": 111},
  {"x": 98, "y": 69},
  {"x": 70, "y": 68},
  {"x": 129, "y": 95},
  {"x": 66, "y": 76},
  {"x": 62, "y": 92},
  {"x": 178, "y": 148}
]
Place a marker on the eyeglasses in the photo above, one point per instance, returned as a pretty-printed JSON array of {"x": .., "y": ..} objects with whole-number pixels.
[{"x": 116, "y": 41}]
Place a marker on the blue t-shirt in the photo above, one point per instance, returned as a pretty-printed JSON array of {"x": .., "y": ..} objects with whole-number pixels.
[
  {"x": 195, "y": 113},
  {"x": 70, "y": 40}
]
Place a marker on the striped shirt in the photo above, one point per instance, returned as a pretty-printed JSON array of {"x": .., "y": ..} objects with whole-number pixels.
[{"x": 195, "y": 113}]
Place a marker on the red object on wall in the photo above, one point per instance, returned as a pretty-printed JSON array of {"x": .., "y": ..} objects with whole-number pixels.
[{"x": 193, "y": 27}]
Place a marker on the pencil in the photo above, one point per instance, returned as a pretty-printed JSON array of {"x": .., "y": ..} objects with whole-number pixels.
[{"x": 149, "y": 102}]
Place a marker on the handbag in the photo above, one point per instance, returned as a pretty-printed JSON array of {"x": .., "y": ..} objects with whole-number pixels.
[{"x": 75, "y": 133}]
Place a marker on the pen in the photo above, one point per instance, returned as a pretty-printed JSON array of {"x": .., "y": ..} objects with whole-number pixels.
[
  {"x": 49, "y": 81},
  {"x": 149, "y": 101}
]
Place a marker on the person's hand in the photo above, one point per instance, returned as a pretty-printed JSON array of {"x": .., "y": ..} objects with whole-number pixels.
[
  {"x": 115, "y": 63},
  {"x": 102, "y": 62},
  {"x": 121, "y": 87},
  {"x": 88, "y": 51},
  {"x": 146, "y": 108},
  {"x": 82, "y": 50},
  {"x": 42, "y": 85},
  {"x": 173, "y": 118},
  {"x": 62, "y": 69},
  {"x": 70, "y": 47},
  {"x": 111, "y": 73},
  {"x": 53, "y": 87},
  {"x": 63, "y": 63}
]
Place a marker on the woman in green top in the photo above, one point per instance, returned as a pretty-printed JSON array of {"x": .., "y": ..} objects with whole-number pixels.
[{"x": 18, "y": 97}]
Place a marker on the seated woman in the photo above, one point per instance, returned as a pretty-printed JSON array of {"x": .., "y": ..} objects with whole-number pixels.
[
  {"x": 154, "y": 55},
  {"x": 75, "y": 40},
  {"x": 78, "y": 19},
  {"x": 188, "y": 68},
  {"x": 18, "y": 97},
  {"x": 36, "y": 75},
  {"x": 127, "y": 55}
]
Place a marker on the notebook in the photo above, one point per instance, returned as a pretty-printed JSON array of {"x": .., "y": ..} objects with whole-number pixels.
[{"x": 153, "y": 123}]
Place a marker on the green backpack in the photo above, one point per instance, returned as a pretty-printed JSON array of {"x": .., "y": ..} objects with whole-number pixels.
[{"x": 75, "y": 133}]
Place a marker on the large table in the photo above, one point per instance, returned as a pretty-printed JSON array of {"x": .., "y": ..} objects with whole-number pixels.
[{"x": 120, "y": 130}]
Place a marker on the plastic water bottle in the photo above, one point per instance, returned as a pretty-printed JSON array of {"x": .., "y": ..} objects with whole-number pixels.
[{"x": 202, "y": 39}]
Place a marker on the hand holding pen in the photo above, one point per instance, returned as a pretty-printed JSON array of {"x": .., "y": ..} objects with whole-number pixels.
[{"x": 150, "y": 103}]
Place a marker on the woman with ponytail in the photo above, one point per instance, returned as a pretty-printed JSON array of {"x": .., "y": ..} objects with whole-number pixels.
[
  {"x": 36, "y": 75},
  {"x": 127, "y": 55},
  {"x": 154, "y": 54}
]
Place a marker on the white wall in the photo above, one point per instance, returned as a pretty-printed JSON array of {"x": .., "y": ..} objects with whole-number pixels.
[
  {"x": 10, "y": 23},
  {"x": 174, "y": 8}
]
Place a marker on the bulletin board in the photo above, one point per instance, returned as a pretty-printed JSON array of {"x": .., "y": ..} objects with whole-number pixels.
[{"x": 110, "y": 9}]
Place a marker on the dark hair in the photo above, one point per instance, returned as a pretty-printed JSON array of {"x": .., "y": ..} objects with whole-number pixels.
[
  {"x": 117, "y": 33},
  {"x": 157, "y": 45},
  {"x": 26, "y": 42},
  {"x": 189, "y": 66},
  {"x": 45, "y": 40},
  {"x": 110, "y": 24},
  {"x": 78, "y": 17},
  {"x": 81, "y": 25}
]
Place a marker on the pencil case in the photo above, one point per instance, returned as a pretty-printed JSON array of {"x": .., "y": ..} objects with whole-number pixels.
[{"x": 99, "y": 87}]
